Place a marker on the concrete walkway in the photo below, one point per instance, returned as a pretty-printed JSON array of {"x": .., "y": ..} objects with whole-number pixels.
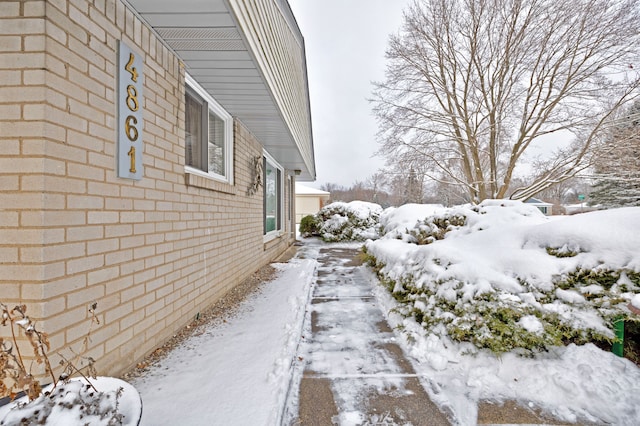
[{"x": 353, "y": 370}]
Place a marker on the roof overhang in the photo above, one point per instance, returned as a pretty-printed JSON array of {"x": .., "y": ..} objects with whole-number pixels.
[{"x": 249, "y": 56}]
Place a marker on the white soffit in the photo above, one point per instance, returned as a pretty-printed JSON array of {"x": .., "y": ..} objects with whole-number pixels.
[{"x": 205, "y": 35}]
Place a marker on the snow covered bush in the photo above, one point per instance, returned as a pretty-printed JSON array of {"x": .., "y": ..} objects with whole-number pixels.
[
  {"x": 395, "y": 222},
  {"x": 503, "y": 276},
  {"x": 435, "y": 227},
  {"x": 102, "y": 402},
  {"x": 66, "y": 401},
  {"x": 353, "y": 221}
]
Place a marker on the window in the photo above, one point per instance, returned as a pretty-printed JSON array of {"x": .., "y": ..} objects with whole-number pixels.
[
  {"x": 208, "y": 134},
  {"x": 272, "y": 196}
]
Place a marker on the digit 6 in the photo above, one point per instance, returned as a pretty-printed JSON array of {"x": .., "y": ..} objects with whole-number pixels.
[{"x": 130, "y": 129}]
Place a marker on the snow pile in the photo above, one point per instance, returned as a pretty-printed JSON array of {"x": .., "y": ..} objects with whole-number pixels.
[
  {"x": 503, "y": 276},
  {"x": 354, "y": 221}
]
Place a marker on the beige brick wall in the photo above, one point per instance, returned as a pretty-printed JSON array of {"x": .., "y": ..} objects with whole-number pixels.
[{"x": 152, "y": 253}]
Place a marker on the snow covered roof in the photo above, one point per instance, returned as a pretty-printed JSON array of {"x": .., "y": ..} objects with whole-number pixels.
[
  {"x": 537, "y": 202},
  {"x": 305, "y": 190}
]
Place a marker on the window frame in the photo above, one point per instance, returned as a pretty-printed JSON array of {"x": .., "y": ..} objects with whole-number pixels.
[
  {"x": 280, "y": 192},
  {"x": 210, "y": 105}
]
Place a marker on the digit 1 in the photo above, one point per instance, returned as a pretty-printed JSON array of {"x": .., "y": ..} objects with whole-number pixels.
[{"x": 132, "y": 156}]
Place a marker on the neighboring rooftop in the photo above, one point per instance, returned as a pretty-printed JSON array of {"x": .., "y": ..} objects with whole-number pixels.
[{"x": 305, "y": 190}]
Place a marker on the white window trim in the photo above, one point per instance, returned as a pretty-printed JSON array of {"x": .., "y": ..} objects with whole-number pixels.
[
  {"x": 271, "y": 235},
  {"x": 218, "y": 110}
]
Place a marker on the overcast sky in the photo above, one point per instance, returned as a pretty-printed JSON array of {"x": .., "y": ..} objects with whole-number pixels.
[{"x": 345, "y": 43}]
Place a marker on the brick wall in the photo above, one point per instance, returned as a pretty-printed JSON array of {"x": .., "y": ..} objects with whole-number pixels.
[{"x": 152, "y": 253}]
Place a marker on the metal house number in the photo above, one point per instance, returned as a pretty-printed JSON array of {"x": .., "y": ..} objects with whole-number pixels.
[{"x": 130, "y": 79}]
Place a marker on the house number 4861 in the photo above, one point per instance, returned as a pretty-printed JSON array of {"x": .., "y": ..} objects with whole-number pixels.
[{"x": 130, "y": 114}]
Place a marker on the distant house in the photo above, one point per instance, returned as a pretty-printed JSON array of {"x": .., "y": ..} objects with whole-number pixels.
[
  {"x": 544, "y": 207},
  {"x": 309, "y": 200}
]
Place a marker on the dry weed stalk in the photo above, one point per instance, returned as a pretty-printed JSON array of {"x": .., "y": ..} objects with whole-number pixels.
[
  {"x": 70, "y": 365},
  {"x": 14, "y": 375}
]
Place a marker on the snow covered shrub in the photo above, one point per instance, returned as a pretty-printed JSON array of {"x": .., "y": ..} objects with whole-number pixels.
[
  {"x": 354, "y": 221},
  {"x": 509, "y": 278},
  {"x": 309, "y": 226},
  {"x": 69, "y": 402},
  {"x": 66, "y": 400},
  {"x": 395, "y": 222},
  {"x": 563, "y": 251},
  {"x": 503, "y": 327},
  {"x": 425, "y": 223},
  {"x": 435, "y": 227},
  {"x": 501, "y": 322}
]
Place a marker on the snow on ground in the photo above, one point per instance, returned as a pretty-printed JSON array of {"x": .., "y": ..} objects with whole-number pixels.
[{"x": 237, "y": 372}]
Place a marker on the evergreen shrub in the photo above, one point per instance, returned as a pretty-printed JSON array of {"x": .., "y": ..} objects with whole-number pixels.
[{"x": 309, "y": 226}]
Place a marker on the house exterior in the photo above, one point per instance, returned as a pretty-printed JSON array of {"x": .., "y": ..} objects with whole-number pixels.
[
  {"x": 149, "y": 156},
  {"x": 309, "y": 201},
  {"x": 544, "y": 207}
]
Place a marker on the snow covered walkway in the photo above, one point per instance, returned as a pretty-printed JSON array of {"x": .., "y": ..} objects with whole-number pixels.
[{"x": 354, "y": 371}]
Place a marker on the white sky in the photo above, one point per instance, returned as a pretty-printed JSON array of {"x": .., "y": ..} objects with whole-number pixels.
[{"x": 345, "y": 44}]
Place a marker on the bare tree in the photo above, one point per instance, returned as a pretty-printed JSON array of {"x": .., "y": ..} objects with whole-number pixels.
[
  {"x": 377, "y": 183},
  {"x": 617, "y": 168},
  {"x": 413, "y": 189},
  {"x": 405, "y": 183},
  {"x": 471, "y": 85},
  {"x": 332, "y": 187},
  {"x": 373, "y": 189}
]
